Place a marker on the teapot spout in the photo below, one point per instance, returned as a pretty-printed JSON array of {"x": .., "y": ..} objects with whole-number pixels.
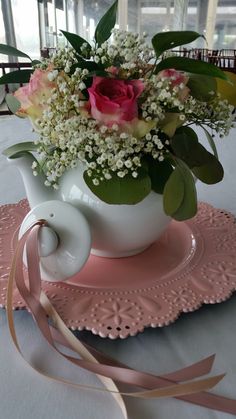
[{"x": 36, "y": 191}]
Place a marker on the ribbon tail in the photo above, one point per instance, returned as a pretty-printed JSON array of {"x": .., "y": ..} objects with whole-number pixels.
[
  {"x": 83, "y": 352},
  {"x": 172, "y": 390},
  {"x": 187, "y": 373},
  {"x": 208, "y": 400},
  {"x": 212, "y": 401},
  {"x": 195, "y": 370}
]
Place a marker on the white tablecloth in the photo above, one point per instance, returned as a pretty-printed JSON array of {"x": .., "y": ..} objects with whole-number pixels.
[{"x": 24, "y": 394}]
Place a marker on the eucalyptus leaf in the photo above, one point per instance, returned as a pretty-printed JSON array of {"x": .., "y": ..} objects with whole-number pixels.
[
  {"x": 173, "y": 192},
  {"x": 12, "y": 103},
  {"x": 159, "y": 172},
  {"x": 204, "y": 165},
  {"x": 209, "y": 173},
  {"x": 164, "y": 41},
  {"x": 189, "y": 132},
  {"x": 106, "y": 24},
  {"x": 35, "y": 62},
  {"x": 19, "y": 148},
  {"x": 76, "y": 41},
  {"x": 12, "y": 51},
  {"x": 191, "y": 66},
  {"x": 187, "y": 148},
  {"x": 127, "y": 190},
  {"x": 202, "y": 86},
  {"x": 19, "y": 76},
  {"x": 188, "y": 207},
  {"x": 210, "y": 141}
]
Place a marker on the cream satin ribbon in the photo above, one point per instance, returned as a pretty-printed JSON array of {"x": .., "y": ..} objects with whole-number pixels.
[{"x": 41, "y": 307}]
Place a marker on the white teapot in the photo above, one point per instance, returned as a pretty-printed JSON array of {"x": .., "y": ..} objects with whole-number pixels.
[{"x": 80, "y": 223}]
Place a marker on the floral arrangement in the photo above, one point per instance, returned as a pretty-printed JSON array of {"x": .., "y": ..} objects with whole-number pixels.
[{"x": 127, "y": 112}]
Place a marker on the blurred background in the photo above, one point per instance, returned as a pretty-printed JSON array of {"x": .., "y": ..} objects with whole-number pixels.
[{"x": 34, "y": 25}]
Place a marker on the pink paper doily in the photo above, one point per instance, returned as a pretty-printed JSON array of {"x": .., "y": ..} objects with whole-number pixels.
[{"x": 192, "y": 263}]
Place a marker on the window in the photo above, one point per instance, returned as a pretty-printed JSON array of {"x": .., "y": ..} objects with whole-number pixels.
[
  {"x": 150, "y": 16},
  {"x": 225, "y": 26},
  {"x": 25, "y": 17},
  {"x": 2, "y": 34}
]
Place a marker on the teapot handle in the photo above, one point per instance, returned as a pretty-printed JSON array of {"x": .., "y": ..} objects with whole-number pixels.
[{"x": 65, "y": 244}]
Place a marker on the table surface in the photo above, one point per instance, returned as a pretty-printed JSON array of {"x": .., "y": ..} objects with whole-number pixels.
[{"x": 25, "y": 394}]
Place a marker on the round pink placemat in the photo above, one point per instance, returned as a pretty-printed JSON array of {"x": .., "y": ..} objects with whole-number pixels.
[{"x": 192, "y": 263}]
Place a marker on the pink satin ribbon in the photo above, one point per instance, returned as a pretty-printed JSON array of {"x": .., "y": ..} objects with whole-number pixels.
[{"x": 155, "y": 386}]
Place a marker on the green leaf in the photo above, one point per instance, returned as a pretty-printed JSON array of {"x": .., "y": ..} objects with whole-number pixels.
[
  {"x": 173, "y": 192},
  {"x": 12, "y": 103},
  {"x": 14, "y": 52},
  {"x": 205, "y": 166},
  {"x": 168, "y": 40},
  {"x": 188, "y": 132},
  {"x": 35, "y": 62},
  {"x": 211, "y": 142},
  {"x": 127, "y": 190},
  {"x": 191, "y": 66},
  {"x": 159, "y": 172},
  {"x": 19, "y": 76},
  {"x": 188, "y": 207},
  {"x": 211, "y": 172},
  {"x": 186, "y": 147},
  {"x": 106, "y": 24},
  {"x": 100, "y": 73},
  {"x": 76, "y": 41},
  {"x": 82, "y": 63},
  {"x": 201, "y": 85},
  {"x": 19, "y": 148}
]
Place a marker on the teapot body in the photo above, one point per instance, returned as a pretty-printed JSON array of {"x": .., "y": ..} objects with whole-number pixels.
[
  {"x": 116, "y": 230},
  {"x": 79, "y": 222}
]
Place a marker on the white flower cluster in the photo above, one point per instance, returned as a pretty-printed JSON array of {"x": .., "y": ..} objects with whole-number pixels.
[
  {"x": 63, "y": 58},
  {"x": 216, "y": 114},
  {"x": 159, "y": 97},
  {"x": 106, "y": 151},
  {"x": 129, "y": 50}
]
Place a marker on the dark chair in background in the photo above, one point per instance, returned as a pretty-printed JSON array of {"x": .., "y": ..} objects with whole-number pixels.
[
  {"x": 5, "y": 68},
  {"x": 47, "y": 52},
  {"x": 224, "y": 58},
  {"x": 227, "y": 63},
  {"x": 228, "y": 52}
]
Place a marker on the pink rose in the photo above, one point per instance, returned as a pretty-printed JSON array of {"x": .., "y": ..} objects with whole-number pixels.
[
  {"x": 34, "y": 95},
  {"x": 176, "y": 77},
  {"x": 114, "y": 100}
]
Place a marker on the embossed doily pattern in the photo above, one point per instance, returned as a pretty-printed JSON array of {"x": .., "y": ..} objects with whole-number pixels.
[{"x": 193, "y": 263}]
